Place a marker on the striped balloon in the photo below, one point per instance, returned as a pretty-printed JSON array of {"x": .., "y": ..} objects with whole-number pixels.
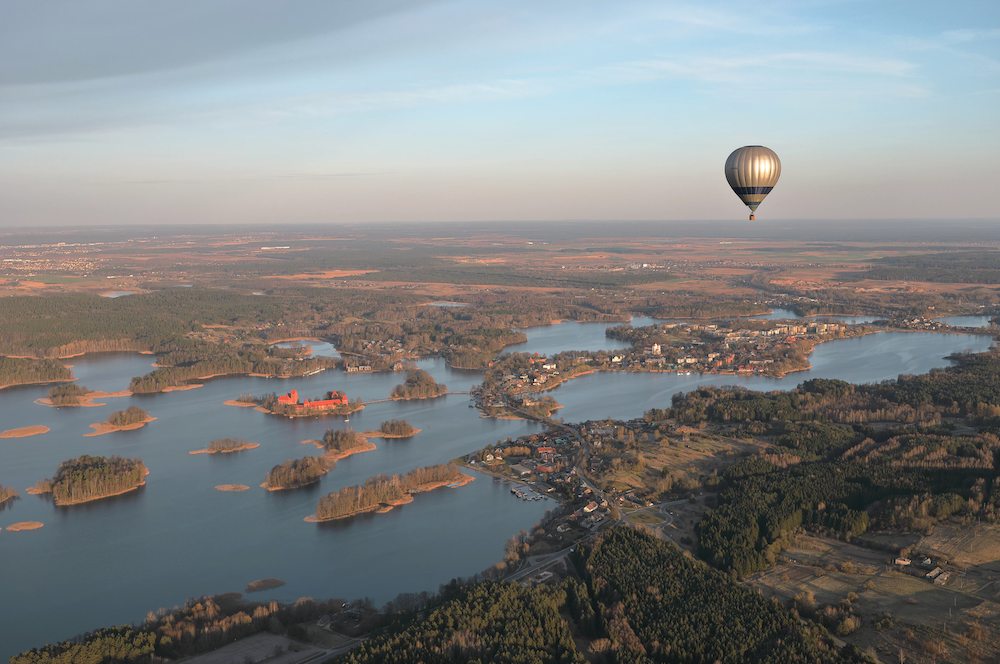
[{"x": 752, "y": 171}]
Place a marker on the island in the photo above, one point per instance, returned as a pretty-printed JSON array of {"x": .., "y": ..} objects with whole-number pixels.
[
  {"x": 393, "y": 429},
  {"x": 342, "y": 443},
  {"x": 333, "y": 402},
  {"x": 24, "y": 432},
  {"x": 132, "y": 417},
  {"x": 87, "y": 478},
  {"x": 263, "y": 584},
  {"x": 418, "y": 385},
  {"x": 382, "y": 493},
  {"x": 298, "y": 473},
  {"x": 232, "y": 487},
  {"x": 77, "y": 395},
  {"x": 25, "y": 525},
  {"x": 226, "y": 445}
]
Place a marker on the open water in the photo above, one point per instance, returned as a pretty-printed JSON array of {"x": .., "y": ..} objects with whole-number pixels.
[{"x": 111, "y": 561}]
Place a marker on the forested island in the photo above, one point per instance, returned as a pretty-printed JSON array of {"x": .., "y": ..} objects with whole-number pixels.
[
  {"x": 383, "y": 492},
  {"x": 88, "y": 478},
  {"x": 132, "y": 417},
  {"x": 393, "y": 429},
  {"x": 227, "y": 445},
  {"x": 418, "y": 385},
  {"x": 70, "y": 394},
  {"x": 341, "y": 443},
  {"x": 25, "y": 371},
  {"x": 297, "y": 473}
]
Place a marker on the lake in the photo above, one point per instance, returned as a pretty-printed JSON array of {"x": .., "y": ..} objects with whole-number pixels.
[{"x": 111, "y": 561}]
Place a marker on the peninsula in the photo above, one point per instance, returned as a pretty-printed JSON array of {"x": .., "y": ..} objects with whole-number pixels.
[
  {"x": 382, "y": 493},
  {"x": 87, "y": 478}
]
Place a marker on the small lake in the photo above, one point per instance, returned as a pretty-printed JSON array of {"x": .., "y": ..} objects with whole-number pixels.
[
  {"x": 118, "y": 294},
  {"x": 110, "y": 561},
  {"x": 447, "y": 304},
  {"x": 788, "y": 314}
]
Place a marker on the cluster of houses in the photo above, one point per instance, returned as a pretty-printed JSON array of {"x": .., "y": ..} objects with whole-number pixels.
[{"x": 925, "y": 569}]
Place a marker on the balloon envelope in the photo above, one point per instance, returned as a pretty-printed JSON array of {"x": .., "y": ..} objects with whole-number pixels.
[{"x": 752, "y": 171}]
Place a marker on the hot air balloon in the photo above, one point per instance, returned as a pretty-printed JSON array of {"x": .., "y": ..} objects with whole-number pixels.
[{"x": 752, "y": 172}]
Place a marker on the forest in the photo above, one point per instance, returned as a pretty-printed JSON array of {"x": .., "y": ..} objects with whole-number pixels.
[
  {"x": 338, "y": 441},
  {"x": 649, "y": 603},
  {"x": 21, "y": 371},
  {"x": 69, "y": 394},
  {"x": 418, "y": 385},
  {"x": 828, "y": 470},
  {"x": 129, "y": 416},
  {"x": 965, "y": 267},
  {"x": 298, "y": 473},
  {"x": 395, "y": 427},
  {"x": 499, "y": 622},
  {"x": 89, "y": 478},
  {"x": 382, "y": 490}
]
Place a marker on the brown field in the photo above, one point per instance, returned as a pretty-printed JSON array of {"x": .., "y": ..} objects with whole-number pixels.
[{"x": 24, "y": 432}]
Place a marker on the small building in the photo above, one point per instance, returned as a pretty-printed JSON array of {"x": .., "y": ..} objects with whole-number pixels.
[
  {"x": 520, "y": 469},
  {"x": 901, "y": 561},
  {"x": 591, "y": 506}
]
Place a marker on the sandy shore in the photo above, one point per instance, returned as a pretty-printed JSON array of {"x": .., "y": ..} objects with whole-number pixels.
[
  {"x": 248, "y": 446},
  {"x": 379, "y": 434},
  {"x": 232, "y": 487},
  {"x": 25, "y": 525},
  {"x": 240, "y": 404},
  {"x": 24, "y": 432},
  {"x": 337, "y": 456},
  {"x": 102, "y": 428},
  {"x": 86, "y": 400},
  {"x": 382, "y": 508},
  {"x": 181, "y": 388}
]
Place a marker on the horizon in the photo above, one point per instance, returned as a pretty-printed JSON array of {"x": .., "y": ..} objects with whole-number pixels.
[{"x": 432, "y": 112}]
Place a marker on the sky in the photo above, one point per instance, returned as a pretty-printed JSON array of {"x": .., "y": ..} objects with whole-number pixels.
[{"x": 327, "y": 111}]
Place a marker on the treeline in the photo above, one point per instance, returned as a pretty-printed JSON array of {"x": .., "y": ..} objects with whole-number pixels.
[
  {"x": 646, "y": 602},
  {"x": 342, "y": 440},
  {"x": 381, "y": 490},
  {"x": 227, "y": 445},
  {"x": 89, "y": 478},
  {"x": 965, "y": 267},
  {"x": 396, "y": 427},
  {"x": 202, "y": 625},
  {"x": 183, "y": 360},
  {"x": 297, "y": 473},
  {"x": 127, "y": 417},
  {"x": 67, "y": 395},
  {"x": 19, "y": 371},
  {"x": 483, "y": 623},
  {"x": 419, "y": 384},
  {"x": 6, "y": 493}
]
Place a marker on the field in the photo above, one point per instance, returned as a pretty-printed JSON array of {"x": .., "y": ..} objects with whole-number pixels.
[{"x": 956, "y": 621}]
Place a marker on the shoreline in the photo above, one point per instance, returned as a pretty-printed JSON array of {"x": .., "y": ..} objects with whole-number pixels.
[
  {"x": 382, "y": 508},
  {"x": 36, "y": 382},
  {"x": 24, "y": 432},
  {"x": 248, "y": 446},
  {"x": 102, "y": 428}
]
